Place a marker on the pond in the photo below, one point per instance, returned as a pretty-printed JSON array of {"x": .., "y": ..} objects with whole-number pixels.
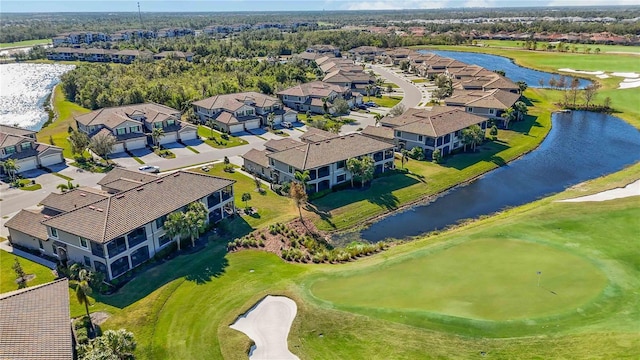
[
  {"x": 493, "y": 62},
  {"x": 580, "y": 146}
]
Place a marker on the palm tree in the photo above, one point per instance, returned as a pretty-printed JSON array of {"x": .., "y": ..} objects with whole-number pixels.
[
  {"x": 83, "y": 291},
  {"x": 354, "y": 166},
  {"x": 121, "y": 343},
  {"x": 65, "y": 187},
  {"x": 299, "y": 194},
  {"x": 473, "y": 135},
  {"x": 210, "y": 124},
  {"x": 377, "y": 117},
  {"x": 303, "y": 177},
  {"x": 508, "y": 116},
  {"x": 194, "y": 220},
  {"x": 368, "y": 89},
  {"x": 11, "y": 168},
  {"x": 520, "y": 109},
  {"x": 156, "y": 134},
  {"x": 271, "y": 118},
  {"x": 175, "y": 226},
  {"x": 325, "y": 106},
  {"x": 404, "y": 158},
  {"x": 246, "y": 197}
]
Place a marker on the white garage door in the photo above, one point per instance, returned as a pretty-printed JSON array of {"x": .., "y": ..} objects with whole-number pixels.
[
  {"x": 27, "y": 164},
  {"x": 117, "y": 148},
  {"x": 188, "y": 135},
  {"x": 291, "y": 117},
  {"x": 253, "y": 124},
  {"x": 236, "y": 128},
  {"x": 51, "y": 160},
  {"x": 136, "y": 144},
  {"x": 168, "y": 138}
]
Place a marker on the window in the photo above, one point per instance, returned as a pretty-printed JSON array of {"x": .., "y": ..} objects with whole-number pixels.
[
  {"x": 121, "y": 131},
  {"x": 139, "y": 256},
  {"x": 116, "y": 246},
  {"x": 101, "y": 267},
  {"x": 41, "y": 244},
  {"x": 157, "y": 125},
  {"x": 97, "y": 249},
  {"x": 249, "y": 112},
  {"x": 55, "y": 249},
  {"x": 136, "y": 237},
  {"x": 491, "y": 111},
  {"x": 9, "y": 150},
  {"x": 87, "y": 261},
  {"x": 26, "y": 146},
  {"x": 213, "y": 199},
  {"x": 164, "y": 239},
  {"x": 120, "y": 266},
  {"x": 341, "y": 164},
  {"x": 399, "y": 133},
  {"x": 134, "y": 129},
  {"x": 171, "y": 122},
  {"x": 291, "y": 169},
  {"x": 420, "y": 138},
  {"x": 341, "y": 178},
  {"x": 470, "y": 109},
  {"x": 272, "y": 162},
  {"x": 160, "y": 221},
  {"x": 54, "y": 232},
  {"x": 83, "y": 243}
]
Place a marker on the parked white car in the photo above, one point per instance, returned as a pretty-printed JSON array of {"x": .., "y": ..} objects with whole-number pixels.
[
  {"x": 287, "y": 124},
  {"x": 150, "y": 168}
]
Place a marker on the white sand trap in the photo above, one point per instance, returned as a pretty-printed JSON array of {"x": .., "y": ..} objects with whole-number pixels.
[
  {"x": 582, "y": 71},
  {"x": 629, "y": 84},
  {"x": 626, "y": 74},
  {"x": 632, "y": 189},
  {"x": 268, "y": 324},
  {"x": 603, "y": 76}
]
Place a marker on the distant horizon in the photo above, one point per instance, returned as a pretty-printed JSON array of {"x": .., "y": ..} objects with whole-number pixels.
[{"x": 242, "y": 6}]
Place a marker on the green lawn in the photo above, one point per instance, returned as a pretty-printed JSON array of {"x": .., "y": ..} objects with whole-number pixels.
[
  {"x": 25, "y": 43},
  {"x": 484, "y": 279},
  {"x": 417, "y": 81},
  {"x": 218, "y": 142},
  {"x": 182, "y": 308},
  {"x": 517, "y": 44},
  {"x": 58, "y": 130},
  {"x": 386, "y": 101},
  {"x": 393, "y": 85}
]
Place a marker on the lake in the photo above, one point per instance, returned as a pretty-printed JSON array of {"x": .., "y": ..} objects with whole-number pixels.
[
  {"x": 23, "y": 91},
  {"x": 493, "y": 62},
  {"x": 580, "y": 146}
]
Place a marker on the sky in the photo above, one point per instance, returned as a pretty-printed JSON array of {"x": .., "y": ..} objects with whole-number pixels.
[{"x": 276, "y": 5}]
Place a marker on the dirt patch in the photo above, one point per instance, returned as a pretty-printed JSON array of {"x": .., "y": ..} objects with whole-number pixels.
[
  {"x": 99, "y": 317},
  {"x": 27, "y": 278}
]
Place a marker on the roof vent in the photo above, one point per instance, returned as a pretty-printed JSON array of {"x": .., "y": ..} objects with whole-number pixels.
[
  {"x": 47, "y": 217},
  {"x": 159, "y": 181},
  {"x": 83, "y": 194},
  {"x": 140, "y": 189},
  {"x": 120, "y": 196},
  {"x": 92, "y": 207},
  {"x": 100, "y": 210},
  {"x": 176, "y": 174}
]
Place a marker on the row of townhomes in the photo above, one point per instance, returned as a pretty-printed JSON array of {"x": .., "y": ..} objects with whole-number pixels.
[
  {"x": 115, "y": 56},
  {"x": 239, "y": 112},
  {"x": 132, "y": 125},
  {"x": 90, "y": 37},
  {"x": 118, "y": 227},
  {"x": 312, "y": 97},
  {"x": 21, "y": 146},
  {"x": 322, "y": 153}
]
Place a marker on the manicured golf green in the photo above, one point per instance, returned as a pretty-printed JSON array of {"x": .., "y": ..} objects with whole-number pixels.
[{"x": 484, "y": 279}]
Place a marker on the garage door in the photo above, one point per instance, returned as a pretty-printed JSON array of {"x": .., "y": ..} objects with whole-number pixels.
[
  {"x": 51, "y": 160},
  {"x": 236, "y": 128},
  {"x": 168, "y": 138},
  {"x": 253, "y": 124},
  {"x": 188, "y": 135},
  {"x": 117, "y": 148},
  {"x": 136, "y": 144},
  {"x": 27, "y": 164},
  {"x": 291, "y": 117}
]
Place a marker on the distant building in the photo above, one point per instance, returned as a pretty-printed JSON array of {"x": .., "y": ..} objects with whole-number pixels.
[{"x": 21, "y": 145}]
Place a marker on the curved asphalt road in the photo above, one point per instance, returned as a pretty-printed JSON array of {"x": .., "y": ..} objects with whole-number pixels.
[{"x": 412, "y": 95}]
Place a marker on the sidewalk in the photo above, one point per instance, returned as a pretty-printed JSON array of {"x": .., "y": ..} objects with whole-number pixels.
[{"x": 8, "y": 248}]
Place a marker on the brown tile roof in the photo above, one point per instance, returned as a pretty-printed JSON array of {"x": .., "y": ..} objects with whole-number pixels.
[
  {"x": 441, "y": 120},
  {"x": 120, "y": 173},
  {"x": 258, "y": 157},
  {"x": 314, "y": 89},
  {"x": 73, "y": 199},
  {"x": 382, "y": 132},
  {"x": 313, "y": 155},
  {"x": 361, "y": 50},
  {"x": 114, "y": 116},
  {"x": 123, "y": 212},
  {"x": 11, "y": 139},
  {"x": 496, "y": 98},
  {"x": 35, "y": 323},
  {"x": 281, "y": 144},
  {"x": 315, "y": 134},
  {"x": 29, "y": 222},
  {"x": 343, "y": 76},
  {"x": 233, "y": 102},
  {"x": 6, "y": 129}
]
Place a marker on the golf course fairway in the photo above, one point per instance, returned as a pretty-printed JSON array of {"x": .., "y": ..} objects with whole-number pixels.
[{"x": 485, "y": 279}]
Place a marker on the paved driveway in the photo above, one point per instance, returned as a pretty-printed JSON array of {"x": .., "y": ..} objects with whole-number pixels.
[
  {"x": 178, "y": 149},
  {"x": 123, "y": 159}
]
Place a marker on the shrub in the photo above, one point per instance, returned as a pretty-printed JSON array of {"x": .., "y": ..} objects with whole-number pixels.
[{"x": 225, "y": 137}]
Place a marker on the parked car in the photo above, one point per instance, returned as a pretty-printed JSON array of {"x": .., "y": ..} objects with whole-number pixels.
[
  {"x": 287, "y": 124},
  {"x": 150, "y": 168},
  {"x": 371, "y": 104},
  {"x": 362, "y": 107}
]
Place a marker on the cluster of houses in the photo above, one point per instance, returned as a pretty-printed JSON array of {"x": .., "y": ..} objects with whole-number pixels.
[
  {"x": 126, "y": 56},
  {"x": 90, "y": 37},
  {"x": 22, "y": 146},
  {"x": 236, "y": 28}
]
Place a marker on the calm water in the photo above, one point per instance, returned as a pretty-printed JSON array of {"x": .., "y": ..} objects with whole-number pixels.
[
  {"x": 23, "y": 90},
  {"x": 494, "y": 62},
  {"x": 579, "y": 147}
]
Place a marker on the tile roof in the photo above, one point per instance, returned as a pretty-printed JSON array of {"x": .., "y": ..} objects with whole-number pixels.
[
  {"x": 257, "y": 156},
  {"x": 233, "y": 102},
  {"x": 11, "y": 139},
  {"x": 121, "y": 173},
  {"x": 382, "y": 132},
  {"x": 441, "y": 120},
  {"x": 315, "y": 134},
  {"x": 114, "y": 116},
  {"x": 314, "y": 89},
  {"x": 496, "y": 98},
  {"x": 29, "y": 222},
  {"x": 321, "y": 153},
  {"x": 281, "y": 144},
  {"x": 73, "y": 199},
  {"x": 12, "y": 130},
  {"x": 35, "y": 323},
  {"x": 123, "y": 212}
]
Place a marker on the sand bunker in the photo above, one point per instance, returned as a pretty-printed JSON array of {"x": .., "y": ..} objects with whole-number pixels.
[
  {"x": 268, "y": 324},
  {"x": 631, "y": 79},
  {"x": 632, "y": 189}
]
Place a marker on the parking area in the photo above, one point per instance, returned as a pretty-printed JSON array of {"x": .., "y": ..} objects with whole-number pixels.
[{"x": 178, "y": 149}]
